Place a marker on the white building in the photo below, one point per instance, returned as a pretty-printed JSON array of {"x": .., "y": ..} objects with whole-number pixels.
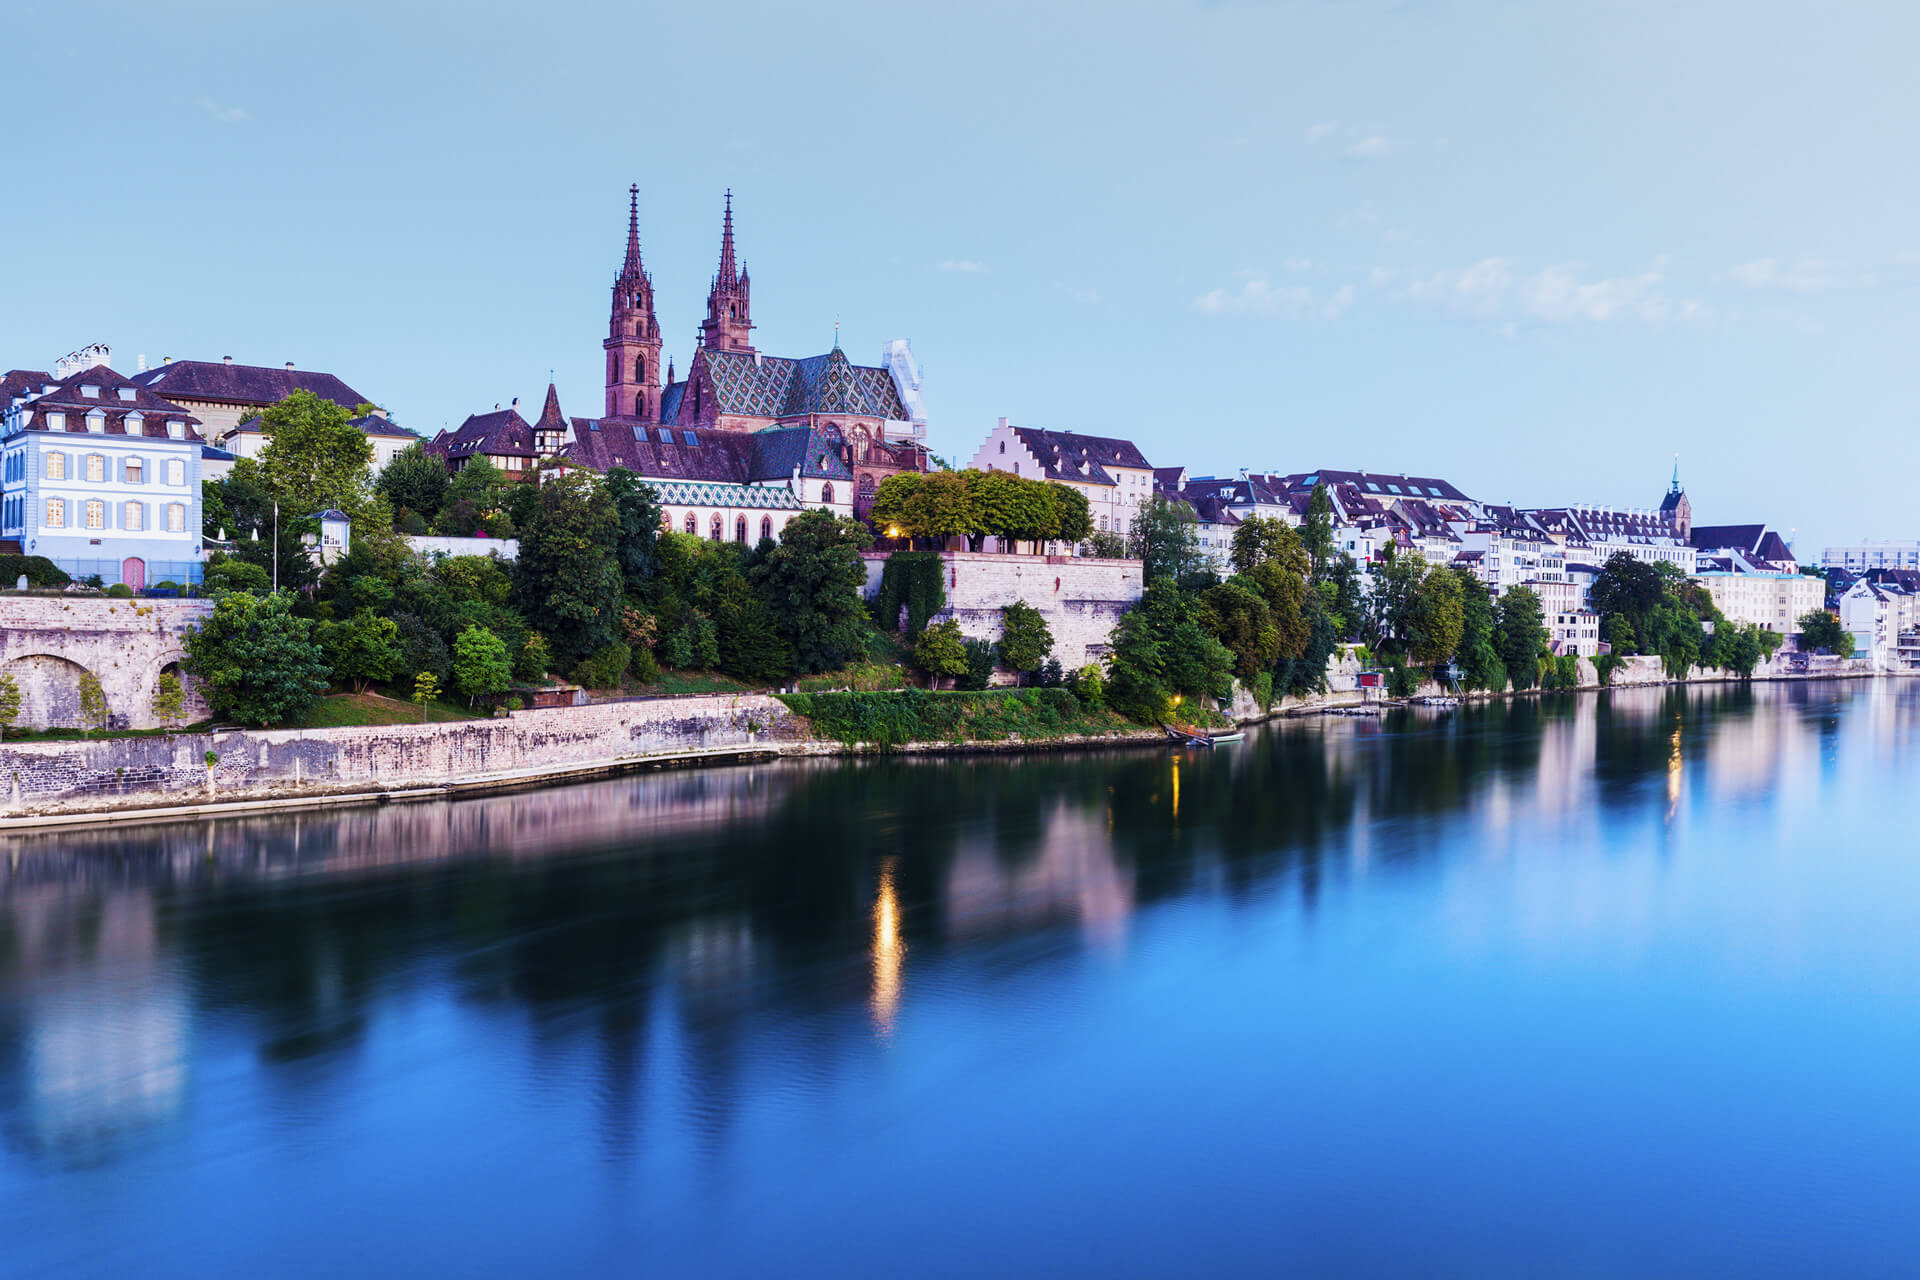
[
  {"x": 1114, "y": 475},
  {"x": 1769, "y": 600},
  {"x": 1858, "y": 557}
]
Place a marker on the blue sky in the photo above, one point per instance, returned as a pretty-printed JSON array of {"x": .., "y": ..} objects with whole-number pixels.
[{"x": 1536, "y": 248}]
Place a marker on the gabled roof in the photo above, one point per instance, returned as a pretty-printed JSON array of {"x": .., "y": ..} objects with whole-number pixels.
[
  {"x": 373, "y": 424},
  {"x": 761, "y": 386},
  {"x": 1755, "y": 541},
  {"x": 1376, "y": 484},
  {"x": 115, "y": 397},
  {"x": 22, "y": 382},
  {"x": 244, "y": 384},
  {"x": 1169, "y": 479},
  {"x": 502, "y": 432},
  {"x": 705, "y": 454},
  {"x": 1068, "y": 455}
]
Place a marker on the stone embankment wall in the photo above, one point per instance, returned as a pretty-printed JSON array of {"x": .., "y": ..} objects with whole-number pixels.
[
  {"x": 1081, "y": 597},
  {"x": 275, "y": 762},
  {"x": 46, "y": 642}
]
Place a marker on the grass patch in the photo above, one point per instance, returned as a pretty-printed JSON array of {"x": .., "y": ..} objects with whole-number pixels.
[
  {"x": 890, "y": 719},
  {"x": 674, "y": 682},
  {"x": 347, "y": 710},
  {"x": 79, "y": 735}
]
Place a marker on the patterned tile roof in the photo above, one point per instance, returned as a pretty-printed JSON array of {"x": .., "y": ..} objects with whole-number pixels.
[
  {"x": 779, "y": 387},
  {"x": 244, "y": 383},
  {"x": 704, "y": 494}
]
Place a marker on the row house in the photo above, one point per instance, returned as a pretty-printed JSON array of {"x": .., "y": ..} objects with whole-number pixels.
[
  {"x": 229, "y": 398},
  {"x": 1771, "y": 599},
  {"x": 101, "y": 476},
  {"x": 1112, "y": 473},
  {"x": 1882, "y": 611}
]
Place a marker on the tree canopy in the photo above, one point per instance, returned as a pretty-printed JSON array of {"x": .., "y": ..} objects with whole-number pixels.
[{"x": 256, "y": 661}]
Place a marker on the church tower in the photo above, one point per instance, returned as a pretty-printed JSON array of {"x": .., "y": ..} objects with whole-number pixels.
[
  {"x": 633, "y": 334},
  {"x": 1676, "y": 508},
  {"x": 730, "y": 301}
]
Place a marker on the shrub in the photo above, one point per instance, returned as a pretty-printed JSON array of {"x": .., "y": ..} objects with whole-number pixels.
[
  {"x": 981, "y": 657},
  {"x": 41, "y": 572},
  {"x": 603, "y": 668},
  {"x": 914, "y": 579},
  {"x": 1402, "y": 681},
  {"x": 1052, "y": 674},
  {"x": 888, "y": 720},
  {"x": 1089, "y": 684},
  {"x": 120, "y": 591},
  {"x": 1261, "y": 689},
  {"x": 513, "y": 703},
  {"x": 645, "y": 668},
  {"x": 1604, "y": 665}
]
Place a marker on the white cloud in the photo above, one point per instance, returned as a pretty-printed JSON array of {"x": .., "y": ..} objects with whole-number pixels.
[
  {"x": 1380, "y": 276},
  {"x": 1319, "y": 132},
  {"x": 1808, "y": 275},
  {"x": 1338, "y": 303},
  {"x": 961, "y": 265},
  {"x": 1298, "y": 264},
  {"x": 224, "y": 114},
  {"x": 1371, "y": 147},
  {"x": 1556, "y": 295},
  {"x": 1256, "y": 296}
]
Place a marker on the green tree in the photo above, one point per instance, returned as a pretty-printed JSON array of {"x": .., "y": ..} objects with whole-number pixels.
[
  {"x": 215, "y": 523},
  {"x": 637, "y": 505},
  {"x": 1316, "y": 533},
  {"x": 941, "y": 651},
  {"x": 1521, "y": 635},
  {"x": 481, "y": 665},
  {"x": 1393, "y": 608},
  {"x": 1107, "y": 545},
  {"x": 314, "y": 457},
  {"x": 1737, "y": 648},
  {"x": 567, "y": 578},
  {"x": 225, "y": 573},
  {"x": 169, "y": 699},
  {"x": 1072, "y": 515},
  {"x": 1161, "y": 652},
  {"x": 414, "y": 480},
  {"x": 256, "y": 661},
  {"x": 362, "y": 649},
  {"x": 1346, "y": 602},
  {"x": 1164, "y": 537},
  {"x": 9, "y": 702},
  {"x": 476, "y": 494},
  {"x": 1629, "y": 590},
  {"x": 1822, "y": 630},
  {"x": 1258, "y": 539},
  {"x": 749, "y": 643},
  {"x": 426, "y": 687},
  {"x": 1236, "y": 615},
  {"x": 893, "y": 499},
  {"x": 1478, "y": 653},
  {"x": 812, "y": 581},
  {"x": 94, "y": 712},
  {"x": 1281, "y": 581},
  {"x": 534, "y": 658},
  {"x": 1438, "y": 619},
  {"x": 1025, "y": 638}
]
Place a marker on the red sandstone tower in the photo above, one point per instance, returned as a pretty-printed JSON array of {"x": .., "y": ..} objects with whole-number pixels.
[
  {"x": 730, "y": 301},
  {"x": 633, "y": 334}
]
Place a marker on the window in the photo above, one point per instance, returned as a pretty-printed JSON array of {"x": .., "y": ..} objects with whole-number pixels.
[
  {"x": 689, "y": 438},
  {"x": 713, "y": 528},
  {"x": 134, "y": 424},
  {"x": 136, "y": 517},
  {"x": 740, "y": 529},
  {"x": 128, "y": 393},
  {"x": 96, "y": 420},
  {"x": 666, "y": 436},
  {"x": 826, "y": 493},
  {"x": 176, "y": 517},
  {"x": 176, "y": 430},
  {"x": 56, "y": 466},
  {"x": 693, "y": 525},
  {"x": 56, "y": 514},
  {"x": 1016, "y": 468},
  {"x": 640, "y": 405},
  {"x": 666, "y": 522},
  {"x": 91, "y": 393},
  {"x": 56, "y": 421},
  {"x": 136, "y": 471},
  {"x": 96, "y": 468},
  {"x": 640, "y": 369},
  {"x": 766, "y": 527},
  {"x": 1003, "y": 446},
  {"x": 96, "y": 514}
]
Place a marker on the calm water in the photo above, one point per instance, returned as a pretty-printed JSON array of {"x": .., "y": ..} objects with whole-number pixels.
[{"x": 1598, "y": 986}]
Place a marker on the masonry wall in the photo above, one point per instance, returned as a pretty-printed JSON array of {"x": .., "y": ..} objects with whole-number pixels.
[
  {"x": 1081, "y": 597},
  {"x": 285, "y": 761},
  {"x": 46, "y": 642}
]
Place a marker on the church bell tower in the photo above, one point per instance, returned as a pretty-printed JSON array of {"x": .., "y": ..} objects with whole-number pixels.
[
  {"x": 730, "y": 300},
  {"x": 633, "y": 334}
]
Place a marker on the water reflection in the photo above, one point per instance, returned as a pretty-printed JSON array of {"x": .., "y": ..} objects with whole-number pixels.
[{"x": 695, "y": 952}]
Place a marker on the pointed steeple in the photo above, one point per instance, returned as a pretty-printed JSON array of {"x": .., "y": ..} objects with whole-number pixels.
[
  {"x": 727, "y": 276},
  {"x": 1675, "y": 488},
  {"x": 632, "y": 265},
  {"x": 551, "y": 419}
]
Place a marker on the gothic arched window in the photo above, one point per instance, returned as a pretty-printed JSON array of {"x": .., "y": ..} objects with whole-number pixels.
[
  {"x": 766, "y": 527},
  {"x": 740, "y": 529},
  {"x": 713, "y": 529},
  {"x": 640, "y": 369},
  {"x": 693, "y": 525},
  {"x": 866, "y": 486},
  {"x": 640, "y": 405},
  {"x": 826, "y": 493}
]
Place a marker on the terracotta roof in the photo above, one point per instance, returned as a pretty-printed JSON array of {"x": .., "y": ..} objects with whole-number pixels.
[{"x": 245, "y": 384}]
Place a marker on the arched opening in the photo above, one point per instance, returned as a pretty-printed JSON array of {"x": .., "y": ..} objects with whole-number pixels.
[
  {"x": 693, "y": 524},
  {"x": 826, "y": 493},
  {"x": 640, "y": 405},
  {"x": 740, "y": 529},
  {"x": 133, "y": 570},
  {"x": 49, "y": 691},
  {"x": 766, "y": 527},
  {"x": 640, "y": 369},
  {"x": 666, "y": 522},
  {"x": 713, "y": 528}
]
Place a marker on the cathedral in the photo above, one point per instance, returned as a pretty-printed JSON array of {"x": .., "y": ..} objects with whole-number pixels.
[{"x": 741, "y": 443}]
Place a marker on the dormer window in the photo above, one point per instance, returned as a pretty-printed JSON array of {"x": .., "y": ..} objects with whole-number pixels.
[
  {"x": 129, "y": 394},
  {"x": 96, "y": 420},
  {"x": 56, "y": 421},
  {"x": 91, "y": 393},
  {"x": 135, "y": 423},
  {"x": 176, "y": 430}
]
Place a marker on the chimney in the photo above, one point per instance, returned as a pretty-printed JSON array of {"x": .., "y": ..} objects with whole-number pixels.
[
  {"x": 166, "y": 359},
  {"x": 516, "y": 403},
  {"x": 226, "y": 359},
  {"x": 140, "y": 362},
  {"x": 289, "y": 366}
]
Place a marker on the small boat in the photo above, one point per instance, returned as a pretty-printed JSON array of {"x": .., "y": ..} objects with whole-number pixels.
[{"x": 1202, "y": 739}]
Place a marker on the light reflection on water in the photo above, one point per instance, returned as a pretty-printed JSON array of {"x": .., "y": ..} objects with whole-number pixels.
[{"x": 1611, "y": 985}]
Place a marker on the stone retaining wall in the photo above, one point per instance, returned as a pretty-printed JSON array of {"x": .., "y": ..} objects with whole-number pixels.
[
  {"x": 35, "y": 775},
  {"x": 47, "y": 641}
]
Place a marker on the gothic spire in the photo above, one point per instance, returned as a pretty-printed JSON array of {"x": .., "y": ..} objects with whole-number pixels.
[
  {"x": 551, "y": 419},
  {"x": 727, "y": 276},
  {"x": 632, "y": 266}
]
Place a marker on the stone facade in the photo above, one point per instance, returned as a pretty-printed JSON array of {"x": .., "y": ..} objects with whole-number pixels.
[
  {"x": 46, "y": 642},
  {"x": 1081, "y": 597},
  {"x": 286, "y": 761}
]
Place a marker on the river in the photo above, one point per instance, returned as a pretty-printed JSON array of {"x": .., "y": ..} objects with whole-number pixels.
[{"x": 1590, "y": 985}]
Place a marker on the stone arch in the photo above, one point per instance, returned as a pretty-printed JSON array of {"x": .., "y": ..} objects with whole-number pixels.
[
  {"x": 172, "y": 660},
  {"x": 49, "y": 690}
]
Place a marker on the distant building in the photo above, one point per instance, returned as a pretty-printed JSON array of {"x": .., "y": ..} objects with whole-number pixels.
[
  {"x": 1113, "y": 474},
  {"x": 1883, "y": 615},
  {"x": 101, "y": 476},
  {"x": 1755, "y": 546},
  {"x": 1771, "y": 599},
  {"x": 222, "y": 395},
  {"x": 1860, "y": 556}
]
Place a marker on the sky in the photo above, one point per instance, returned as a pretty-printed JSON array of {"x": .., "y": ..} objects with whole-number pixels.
[{"x": 1537, "y": 249}]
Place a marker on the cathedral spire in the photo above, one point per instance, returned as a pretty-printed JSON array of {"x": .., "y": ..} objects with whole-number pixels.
[
  {"x": 632, "y": 265},
  {"x": 730, "y": 301},
  {"x": 727, "y": 278}
]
